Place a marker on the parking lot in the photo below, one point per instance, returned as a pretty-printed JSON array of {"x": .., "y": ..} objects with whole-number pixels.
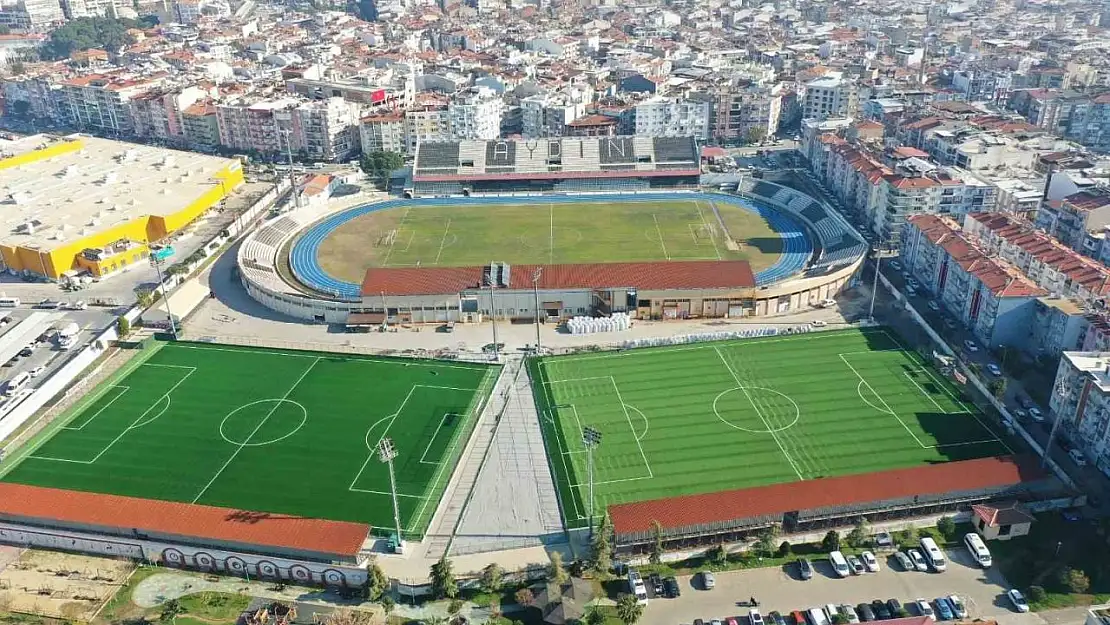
[{"x": 983, "y": 591}]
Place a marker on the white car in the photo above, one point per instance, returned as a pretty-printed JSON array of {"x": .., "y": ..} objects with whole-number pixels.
[
  {"x": 849, "y": 613},
  {"x": 754, "y": 617},
  {"x": 1018, "y": 599},
  {"x": 708, "y": 581},
  {"x": 971, "y": 346},
  {"x": 918, "y": 560},
  {"x": 924, "y": 609},
  {"x": 957, "y": 606},
  {"x": 994, "y": 369},
  {"x": 903, "y": 561},
  {"x": 37, "y": 371},
  {"x": 933, "y": 306},
  {"x": 1077, "y": 457},
  {"x": 870, "y": 562},
  {"x": 817, "y": 323},
  {"x": 1036, "y": 415},
  {"x": 895, "y": 265}
]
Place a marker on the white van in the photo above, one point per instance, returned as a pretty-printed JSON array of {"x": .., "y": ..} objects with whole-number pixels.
[
  {"x": 839, "y": 564},
  {"x": 9, "y": 302},
  {"x": 978, "y": 549},
  {"x": 16, "y": 383},
  {"x": 817, "y": 616},
  {"x": 933, "y": 555}
]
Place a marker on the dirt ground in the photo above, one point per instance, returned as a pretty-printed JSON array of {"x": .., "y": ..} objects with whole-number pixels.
[{"x": 59, "y": 585}]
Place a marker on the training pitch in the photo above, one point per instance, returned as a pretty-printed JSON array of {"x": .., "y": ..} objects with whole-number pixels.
[
  {"x": 266, "y": 430},
  {"x": 710, "y": 417},
  {"x": 619, "y": 230}
]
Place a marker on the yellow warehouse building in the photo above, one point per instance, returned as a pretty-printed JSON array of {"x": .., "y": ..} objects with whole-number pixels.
[{"x": 84, "y": 204}]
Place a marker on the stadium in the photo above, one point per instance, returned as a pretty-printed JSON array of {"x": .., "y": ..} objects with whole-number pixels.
[{"x": 626, "y": 210}]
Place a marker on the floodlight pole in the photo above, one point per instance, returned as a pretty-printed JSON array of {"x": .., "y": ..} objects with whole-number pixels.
[
  {"x": 386, "y": 453},
  {"x": 591, "y": 438},
  {"x": 493, "y": 317},
  {"x": 536, "y": 294},
  {"x": 288, "y": 134},
  {"x": 875, "y": 285},
  {"x": 154, "y": 260}
]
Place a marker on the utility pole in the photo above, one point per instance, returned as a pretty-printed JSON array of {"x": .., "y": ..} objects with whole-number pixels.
[
  {"x": 386, "y": 453},
  {"x": 591, "y": 438},
  {"x": 491, "y": 282},
  {"x": 385, "y": 310},
  {"x": 536, "y": 294},
  {"x": 157, "y": 262},
  {"x": 288, "y": 134}
]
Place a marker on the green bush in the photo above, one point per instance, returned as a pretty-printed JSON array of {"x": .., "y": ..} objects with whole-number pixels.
[{"x": 1037, "y": 593}]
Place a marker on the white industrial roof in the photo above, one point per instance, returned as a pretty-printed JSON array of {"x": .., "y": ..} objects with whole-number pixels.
[{"x": 106, "y": 183}]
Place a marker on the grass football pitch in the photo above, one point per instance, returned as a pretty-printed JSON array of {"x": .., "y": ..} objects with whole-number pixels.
[
  {"x": 574, "y": 232},
  {"x": 717, "y": 416},
  {"x": 266, "y": 430}
]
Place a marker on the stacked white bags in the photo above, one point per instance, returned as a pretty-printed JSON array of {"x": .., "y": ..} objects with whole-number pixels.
[{"x": 593, "y": 325}]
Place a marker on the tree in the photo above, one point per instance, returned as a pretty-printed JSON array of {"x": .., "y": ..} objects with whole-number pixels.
[
  {"x": 492, "y": 578},
  {"x": 601, "y": 552},
  {"x": 17, "y": 68},
  {"x": 756, "y": 134},
  {"x": 998, "y": 387},
  {"x": 629, "y": 609},
  {"x": 377, "y": 583},
  {"x": 1037, "y": 593},
  {"x": 785, "y": 548},
  {"x": 170, "y": 610},
  {"x": 860, "y": 534},
  {"x": 1075, "y": 580},
  {"x": 594, "y": 616},
  {"x": 524, "y": 597},
  {"x": 765, "y": 544},
  {"x": 388, "y": 605},
  {"x": 378, "y": 165},
  {"x": 657, "y": 543},
  {"x": 831, "y": 542},
  {"x": 123, "y": 327},
  {"x": 946, "y": 525},
  {"x": 83, "y": 33},
  {"x": 717, "y": 555},
  {"x": 444, "y": 585},
  {"x": 556, "y": 572},
  {"x": 454, "y": 607},
  {"x": 908, "y": 536}
]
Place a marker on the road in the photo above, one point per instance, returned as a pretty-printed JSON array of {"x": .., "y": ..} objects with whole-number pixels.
[{"x": 982, "y": 591}]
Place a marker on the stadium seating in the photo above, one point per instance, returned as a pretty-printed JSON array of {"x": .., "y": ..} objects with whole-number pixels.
[
  {"x": 438, "y": 157},
  {"x": 676, "y": 150},
  {"x": 615, "y": 150}
]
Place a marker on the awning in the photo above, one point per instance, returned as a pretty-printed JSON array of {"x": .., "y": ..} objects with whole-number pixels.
[
  {"x": 549, "y": 305},
  {"x": 365, "y": 319}
]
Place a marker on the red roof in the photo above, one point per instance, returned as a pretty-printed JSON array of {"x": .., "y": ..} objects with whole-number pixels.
[
  {"x": 19, "y": 502},
  {"x": 700, "y": 274},
  {"x": 932, "y": 479}
]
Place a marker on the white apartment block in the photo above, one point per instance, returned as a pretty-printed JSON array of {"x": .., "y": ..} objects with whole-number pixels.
[
  {"x": 545, "y": 115},
  {"x": 90, "y": 8},
  {"x": 31, "y": 15},
  {"x": 261, "y": 126},
  {"x": 476, "y": 114},
  {"x": 157, "y": 114},
  {"x": 831, "y": 96},
  {"x": 326, "y": 130},
  {"x": 1081, "y": 400},
  {"x": 428, "y": 121},
  {"x": 672, "y": 117},
  {"x": 383, "y": 133},
  {"x": 100, "y": 102}
]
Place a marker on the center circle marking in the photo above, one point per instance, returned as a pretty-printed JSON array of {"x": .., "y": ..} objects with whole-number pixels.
[
  {"x": 797, "y": 411},
  {"x": 277, "y": 403}
]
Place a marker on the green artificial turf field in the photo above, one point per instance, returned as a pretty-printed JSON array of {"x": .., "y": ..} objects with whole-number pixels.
[
  {"x": 266, "y": 430},
  {"x": 576, "y": 232},
  {"x": 709, "y": 417}
]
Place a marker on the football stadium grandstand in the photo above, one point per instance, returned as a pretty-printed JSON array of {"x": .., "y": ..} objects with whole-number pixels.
[{"x": 566, "y": 165}]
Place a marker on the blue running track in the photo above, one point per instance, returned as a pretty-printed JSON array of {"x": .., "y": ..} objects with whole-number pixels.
[{"x": 797, "y": 248}]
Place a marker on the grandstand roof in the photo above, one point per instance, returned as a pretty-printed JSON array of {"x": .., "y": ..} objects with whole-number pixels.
[
  {"x": 707, "y": 274},
  {"x": 193, "y": 523},
  {"x": 933, "y": 479}
]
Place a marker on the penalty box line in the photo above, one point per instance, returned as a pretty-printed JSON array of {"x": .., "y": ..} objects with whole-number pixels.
[
  {"x": 100, "y": 395},
  {"x": 624, "y": 409}
]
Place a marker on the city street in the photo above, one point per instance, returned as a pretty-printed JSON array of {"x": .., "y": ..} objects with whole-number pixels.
[{"x": 983, "y": 591}]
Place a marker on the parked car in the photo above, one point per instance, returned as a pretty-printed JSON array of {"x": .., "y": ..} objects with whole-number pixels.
[
  {"x": 698, "y": 621},
  {"x": 958, "y": 607},
  {"x": 716, "y": 621},
  {"x": 26, "y": 352},
  {"x": 732, "y": 620},
  {"x": 882, "y": 612},
  {"x": 817, "y": 323},
  {"x": 754, "y": 617},
  {"x": 865, "y": 613},
  {"x": 856, "y": 566},
  {"x": 903, "y": 561},
  {"x": 895, "y": 265},
  {"x": 1077, "y": 457},
  {"x": 798, "y": 617},
  {"x": 933, "y": 305},
  {"x": 1018, "y": 599},
  {"x": 37, "y": 371},
  {"x": 971, "y": 346},
  {"x": 895, "y": 607},
  {"x": 671, "y": 588},
  {"x": 775, "y": 618},
  {"x": 656, "y": 583},
  {"x": 944, "y": 612},
  {"x": 994, "y": 369},
  {"x": 708, "y": 581},
  {"x": 805, "y": 569},
  {"x": 849, "y": 613},
  {"x": 870, "y": 562},
  {"x": 924, "y": 609},
  {"x": 918, "y": 560}
]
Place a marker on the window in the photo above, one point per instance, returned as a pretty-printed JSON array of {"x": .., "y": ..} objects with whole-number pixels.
[
  {"x": 1004, "y": 530},
  {"x": 581, "y": 311}
]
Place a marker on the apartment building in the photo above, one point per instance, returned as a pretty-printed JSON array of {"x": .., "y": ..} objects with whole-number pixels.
[
  {"x": 263, "y": 126},
  {"x": 1050, "y": 264},
  {"x": 476, "y": 114},
  {"x": 383, "y": 132},
  {"x": 200, "y": 124},
  {"x": 672, "y": 117},
  {"x": 743, "y": 109},
  {"x": 988, "y": 294},
  {"x": 1072, "y": 218},
  {"x": 156, "y": 114},
  {"x": 100, "y": 102},
  {"x": 326, "y": 130},
  {"x": 31, "y": 15},
  {"x": 1081, "y": 400},
  {"x": 429, "y": 119},
  {"x": 831, "y": 96},
  {"x": 547, "y": 115}
]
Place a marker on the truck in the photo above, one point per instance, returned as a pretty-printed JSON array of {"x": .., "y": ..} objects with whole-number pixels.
[{"x": 67, "y": 335}]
